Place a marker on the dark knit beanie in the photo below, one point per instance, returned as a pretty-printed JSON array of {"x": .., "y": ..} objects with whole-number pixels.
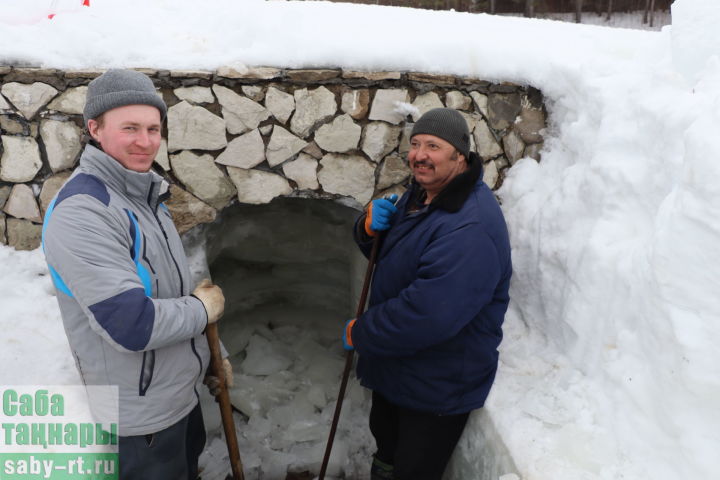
[
  {"x": 447, "y": 124},
  {"x": 117, "y": 88}
]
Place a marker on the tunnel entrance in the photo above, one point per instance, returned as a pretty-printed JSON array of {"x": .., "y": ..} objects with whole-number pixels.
[{"x": 291, "y": 275}]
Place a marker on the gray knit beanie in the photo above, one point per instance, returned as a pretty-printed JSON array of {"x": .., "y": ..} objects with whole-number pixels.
[
  {"x": 117, "y": 88},
  {"x": 447, "y": 124}
]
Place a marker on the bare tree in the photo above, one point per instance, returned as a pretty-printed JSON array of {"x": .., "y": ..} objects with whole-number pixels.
[
  {"x": 578, "y": 11},
  {"x": 609, "y": 10},
  {"x": 492, "y": 7},
  {"x": 652, "y": 12},
  {"x": 530, "y": 8}
]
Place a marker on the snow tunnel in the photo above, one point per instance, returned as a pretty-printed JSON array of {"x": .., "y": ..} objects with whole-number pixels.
[{"x": 292, "y": 276}]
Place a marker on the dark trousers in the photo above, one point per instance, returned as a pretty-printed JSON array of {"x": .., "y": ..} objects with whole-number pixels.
[
  {"x": 417, "y": 445},
  {"x": 168, "y": 454}
]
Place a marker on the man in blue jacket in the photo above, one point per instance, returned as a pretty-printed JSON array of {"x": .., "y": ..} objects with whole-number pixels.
[{"x": 428, "y": 342}]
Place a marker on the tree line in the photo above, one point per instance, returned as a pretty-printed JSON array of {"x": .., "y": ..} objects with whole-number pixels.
[{"x": 532, "y": 8}]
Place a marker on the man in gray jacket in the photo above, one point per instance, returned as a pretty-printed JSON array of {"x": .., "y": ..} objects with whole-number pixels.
[{"x": 123, "y": 283}]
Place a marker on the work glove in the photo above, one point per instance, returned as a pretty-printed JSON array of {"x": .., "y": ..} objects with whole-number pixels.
[
  {"x": 213, "y": 382},
  {"x": 212, "y": 299},
  {"x": 347, "y": 335},
  {"x": 379, "y": 213}
]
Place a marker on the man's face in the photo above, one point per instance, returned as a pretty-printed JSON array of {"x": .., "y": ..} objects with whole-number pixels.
[
  {"x": 130, "y": 134},
  {"x": 434, "y": 162}
]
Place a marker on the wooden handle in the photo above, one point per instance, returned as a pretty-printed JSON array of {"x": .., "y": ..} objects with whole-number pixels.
[
  {"x": 349, "y": 358},
  {"x": 224, "y": 398}
]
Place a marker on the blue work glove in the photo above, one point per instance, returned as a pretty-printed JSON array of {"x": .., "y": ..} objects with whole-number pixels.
[
  {"x": 347, "y": 335},
  {"x": 379, "y": 214}
]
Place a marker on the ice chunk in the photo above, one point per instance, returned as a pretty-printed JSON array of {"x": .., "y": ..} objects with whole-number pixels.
[
  {"x": 299, "y": 431},
  {"x": 310, "y": 456},
  {"x": 345, "y": 414},
  {"x": 316, "y": 395},
  {"x": 323, "y": 368},
  {"x": 257, "y": 430},
  {"x": 282, "y": 381},
  {"x": 250, "y": 460},
  {"x": 275, "y": 464},
  {"x": 264, "y": 358},
  {"x": 306, "y": 347},
  {"x": 357, "y": 393},
  {"x": 245, "y": 400},
  {"x": 235, "y": 336},
  {"x": 284, "y": 415},
  {"x": 306, "y": 431},
  {"x": 254, "y": 396},
  {"x": 214, "y": 463}
]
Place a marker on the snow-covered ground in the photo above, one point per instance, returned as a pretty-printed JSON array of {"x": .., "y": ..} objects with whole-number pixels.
[{"x": 609, "y": 363}]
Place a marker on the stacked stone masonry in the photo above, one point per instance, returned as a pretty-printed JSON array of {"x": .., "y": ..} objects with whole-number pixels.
[{"x": 252, "y": 135}]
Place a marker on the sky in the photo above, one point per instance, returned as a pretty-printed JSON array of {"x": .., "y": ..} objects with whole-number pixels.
[{"x": 609, "y": 363}]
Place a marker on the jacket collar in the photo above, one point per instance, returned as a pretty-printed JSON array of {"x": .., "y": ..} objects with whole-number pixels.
[
  {"x": 146, "y": 187},
  {"x": 453, "y": 196}
]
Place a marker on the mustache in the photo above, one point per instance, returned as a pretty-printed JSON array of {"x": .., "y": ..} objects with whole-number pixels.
[{"x": 421, "y": 163}]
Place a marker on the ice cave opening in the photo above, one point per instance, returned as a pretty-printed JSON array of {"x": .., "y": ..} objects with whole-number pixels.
[{"x": 292, "y": 276}]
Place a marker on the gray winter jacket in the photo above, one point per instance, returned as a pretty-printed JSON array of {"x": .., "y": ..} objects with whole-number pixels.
[{"x": 123, "y": 286}]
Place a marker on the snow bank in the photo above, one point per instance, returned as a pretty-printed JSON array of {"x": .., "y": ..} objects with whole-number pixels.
[
  {"x": 695, "y": 36},
  {"x": 609, "y": 361},
  {"x": 608, "y": 365},
  {"x": 33, "y": 346}
]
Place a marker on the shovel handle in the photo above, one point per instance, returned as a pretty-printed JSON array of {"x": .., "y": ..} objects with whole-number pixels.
[
  {"x": 349, "y": 358},
  {"x": 224, "y": 398}
]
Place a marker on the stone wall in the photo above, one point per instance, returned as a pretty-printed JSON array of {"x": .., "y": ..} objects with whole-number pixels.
[{"x": 252, "y": 135}]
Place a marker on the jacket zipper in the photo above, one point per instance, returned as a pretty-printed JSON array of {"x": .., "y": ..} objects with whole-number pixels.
[
  {"x": 182, "y": 287},
  {"x": 167, "y": 240}
]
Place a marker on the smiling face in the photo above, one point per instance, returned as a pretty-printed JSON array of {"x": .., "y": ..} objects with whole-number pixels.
[
  {"x": 434, "y": 163},
  {"x": 130, "y": 134}
]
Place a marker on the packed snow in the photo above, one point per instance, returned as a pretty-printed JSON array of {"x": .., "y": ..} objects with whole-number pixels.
[{"x": 609, "y": 364}]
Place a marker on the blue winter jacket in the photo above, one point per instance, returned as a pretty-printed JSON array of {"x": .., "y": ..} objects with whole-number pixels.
[{"x": 429, "y": 338}]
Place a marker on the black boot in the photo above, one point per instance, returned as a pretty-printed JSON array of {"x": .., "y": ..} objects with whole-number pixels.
[{"x": 380, "y": 470}]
